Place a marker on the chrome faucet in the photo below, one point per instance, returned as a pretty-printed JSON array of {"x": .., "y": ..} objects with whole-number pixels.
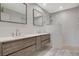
[{"x": 17, "y": 33}]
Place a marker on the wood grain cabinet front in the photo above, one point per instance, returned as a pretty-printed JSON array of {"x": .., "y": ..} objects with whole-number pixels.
[
  {"x": 45, "y": 37},
  {"x": 24, "y": 52},
  {"x": 45, "y": 41},
  {"x": 42, "y": 41},
  {"x": 24, "y": 46},
  {"x": 14, "y": 46}
]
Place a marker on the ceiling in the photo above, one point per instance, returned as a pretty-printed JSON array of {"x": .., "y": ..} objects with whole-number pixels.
[{"x": 54, "y": 7}]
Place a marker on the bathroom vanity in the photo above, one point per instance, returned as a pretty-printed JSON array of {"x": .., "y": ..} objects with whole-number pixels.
[{"x": 25, "y": 45}]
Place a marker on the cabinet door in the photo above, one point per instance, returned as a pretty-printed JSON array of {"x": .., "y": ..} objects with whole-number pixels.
[
  {"x": 45, "y": 40},
  {"x": 45, "y": 37},
  {"x": 24, "y": 52},
  {"x": 45, "y": 43},
  {"x": 14, "y": 46}
]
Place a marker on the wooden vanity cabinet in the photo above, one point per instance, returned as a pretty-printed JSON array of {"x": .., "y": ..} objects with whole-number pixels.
[
  {"x": 16, "y": 46},
  {"x": 24, "y": 46}
]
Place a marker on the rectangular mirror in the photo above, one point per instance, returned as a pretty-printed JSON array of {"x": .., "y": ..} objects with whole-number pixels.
[
  {"x": 14, "y": 13},
  {"x": 37, "y": 17}
]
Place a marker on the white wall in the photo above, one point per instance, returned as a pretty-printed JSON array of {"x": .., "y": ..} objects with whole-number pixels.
[
  {"x": 6, "y": 29},
  {"x": 66, "y": 26}
]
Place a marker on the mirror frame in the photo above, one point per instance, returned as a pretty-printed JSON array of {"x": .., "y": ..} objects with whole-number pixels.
[
  {"x": 34, "y": 17},
  {"x": 14, "y": 21}
]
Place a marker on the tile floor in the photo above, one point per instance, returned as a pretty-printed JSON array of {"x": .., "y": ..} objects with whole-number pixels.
[
  {"x": 41, "y": 52},
  {"x": 58, "y": 52},
  {"x": 54, "y": 52}
]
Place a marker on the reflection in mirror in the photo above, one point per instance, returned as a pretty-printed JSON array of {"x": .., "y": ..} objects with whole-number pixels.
[
  {"x": 37, "y": 17},
  {"x": 13, "y": 12}
]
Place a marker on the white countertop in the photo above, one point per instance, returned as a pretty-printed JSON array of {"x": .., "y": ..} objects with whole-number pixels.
[{"x": 5, "y": 39}]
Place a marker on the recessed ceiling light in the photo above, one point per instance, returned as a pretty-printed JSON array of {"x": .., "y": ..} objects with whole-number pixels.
[
  {"x": 44, "y": 4},
  {"x": 61, "y": 7}
]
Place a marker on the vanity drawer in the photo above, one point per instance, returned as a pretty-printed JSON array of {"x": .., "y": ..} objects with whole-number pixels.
[
  {"x": 45, "y": 43},
  {"x": 11, "y": 47},
  {"x": 45, "y": 37},
  {"x": 29, "y": 39},
  {"x": 24, "y": 52}
]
